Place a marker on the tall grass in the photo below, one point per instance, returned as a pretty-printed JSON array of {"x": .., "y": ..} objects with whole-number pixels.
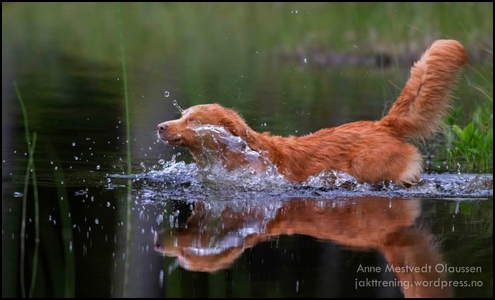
[
  {"x": 67, "y": 237},
  {"x": 29, "y": 170},
  {"x": 128, "y": 158},
  {"x": 69, "y": 266}
]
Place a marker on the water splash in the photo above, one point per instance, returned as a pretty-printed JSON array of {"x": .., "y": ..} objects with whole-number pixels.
[
  {"x": 176, "y": 104},
  {"x": 258, "y": 178},
  {"x": 180, "y": 181},
  {"x": 256, "y": 169}
]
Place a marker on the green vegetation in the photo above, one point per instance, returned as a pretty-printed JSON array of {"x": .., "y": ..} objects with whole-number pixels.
[
  {"x": 128, "y": 161},
  {"x": 29, "y": 170},
  {"x": 68, "y": 274},
  {"x": 67, "y": 289},
  {"x": 470, "y": 147},
  {"x": 244, "y": 26}
]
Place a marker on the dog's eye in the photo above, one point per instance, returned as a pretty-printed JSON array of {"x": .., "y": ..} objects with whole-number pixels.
[{"x": 193, "y": 121}]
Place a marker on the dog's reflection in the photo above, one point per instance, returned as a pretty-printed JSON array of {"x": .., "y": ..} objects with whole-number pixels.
[{"x": 217, "y": 233}]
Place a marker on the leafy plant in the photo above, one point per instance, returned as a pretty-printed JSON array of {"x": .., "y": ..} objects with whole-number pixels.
[{"x": 471, "y": 147}]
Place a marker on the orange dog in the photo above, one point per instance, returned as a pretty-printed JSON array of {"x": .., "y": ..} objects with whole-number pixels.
[{"x": 370, "y": 151}]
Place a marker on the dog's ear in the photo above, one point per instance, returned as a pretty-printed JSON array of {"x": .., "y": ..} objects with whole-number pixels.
[
  {"x": 235, "y": 126},
  {"x": 234, "y": 123}
]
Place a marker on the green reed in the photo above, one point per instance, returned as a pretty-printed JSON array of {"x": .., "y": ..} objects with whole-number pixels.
[
  {"x": 128, "y": 159},
  {"x": 29, "y": 170},
  {"x": 69, "y": 276}
]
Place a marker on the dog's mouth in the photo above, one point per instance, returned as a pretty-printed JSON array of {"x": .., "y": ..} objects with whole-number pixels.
[
  {"x": 171, "y": 140},
  {"x": 174, "y": 141}
]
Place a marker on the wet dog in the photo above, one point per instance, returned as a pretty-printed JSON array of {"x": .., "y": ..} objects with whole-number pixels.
[{"x": 370, "y": 151}]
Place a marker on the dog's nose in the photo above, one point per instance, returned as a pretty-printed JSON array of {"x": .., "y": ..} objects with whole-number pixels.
[{"x": 162, "y": 127}]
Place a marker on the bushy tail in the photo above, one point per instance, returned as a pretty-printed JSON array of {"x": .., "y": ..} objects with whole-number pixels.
[{"x": 423, "y": 102}]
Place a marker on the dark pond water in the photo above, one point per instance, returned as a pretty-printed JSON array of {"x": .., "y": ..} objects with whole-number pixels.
[{"x": 185, "y": 232}]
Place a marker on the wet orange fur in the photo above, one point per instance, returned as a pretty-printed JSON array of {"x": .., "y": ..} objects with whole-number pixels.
[{"x": 370, "y": 151}]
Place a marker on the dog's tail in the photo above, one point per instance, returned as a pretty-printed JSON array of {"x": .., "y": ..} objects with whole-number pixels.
[{"x": 423, "y": 102}]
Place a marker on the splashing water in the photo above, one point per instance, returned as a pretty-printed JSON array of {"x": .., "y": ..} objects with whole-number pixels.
[
  {"x": 178, "y": 180},
  {"x": 176, "y": 104},
  {"x": 216, "y": 137}
]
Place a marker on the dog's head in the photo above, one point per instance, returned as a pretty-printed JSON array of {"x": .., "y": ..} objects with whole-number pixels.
[{"x": 181, "y": 132}]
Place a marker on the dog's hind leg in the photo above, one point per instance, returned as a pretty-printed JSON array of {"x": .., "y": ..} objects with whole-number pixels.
[{"x": 401, "y": 164}]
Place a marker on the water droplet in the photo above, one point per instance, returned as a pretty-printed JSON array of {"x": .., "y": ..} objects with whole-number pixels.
[
  {"x": 167, "y": 93},
  {"x": 160, "y": 280},
  {"x": 176, "y": 104},
  {"x": 73, "y": 144},
  {"x": 97, "y": 221},
  {"x": 97, "y": 167},
  {"x": 305, "y": 60}
]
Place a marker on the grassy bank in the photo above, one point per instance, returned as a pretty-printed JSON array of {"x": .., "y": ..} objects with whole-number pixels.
[{"x": 90, "y": 28}]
